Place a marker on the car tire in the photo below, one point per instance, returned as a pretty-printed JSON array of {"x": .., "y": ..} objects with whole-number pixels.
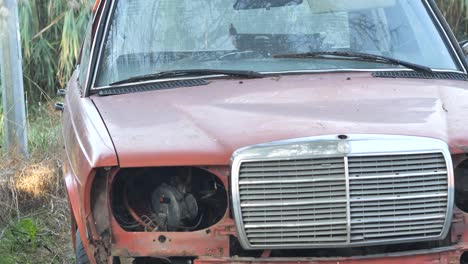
[{"x": 81, "y": 257}]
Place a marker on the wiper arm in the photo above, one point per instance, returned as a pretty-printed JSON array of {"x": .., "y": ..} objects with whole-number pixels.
[
  {"x": 355, "y": 56},
  {"x": 191, "y": 72}
]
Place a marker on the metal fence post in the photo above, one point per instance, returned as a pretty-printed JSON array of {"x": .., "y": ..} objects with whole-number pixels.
[{"x": 12, "y": 80}]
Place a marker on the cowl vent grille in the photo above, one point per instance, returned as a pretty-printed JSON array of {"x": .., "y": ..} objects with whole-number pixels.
[
  {"x": 151, "y": 87},
  {"x": 421, "y": 75}
]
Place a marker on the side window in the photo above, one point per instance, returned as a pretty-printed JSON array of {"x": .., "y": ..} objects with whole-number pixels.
[{"x": 85, "y": 55}]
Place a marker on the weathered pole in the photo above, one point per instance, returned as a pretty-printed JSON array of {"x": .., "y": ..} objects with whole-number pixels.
[{"x": 12, "y": 80}]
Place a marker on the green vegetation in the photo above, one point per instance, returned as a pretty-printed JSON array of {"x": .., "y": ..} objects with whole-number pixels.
[
  {"x": 28, "y": 241},
  {"x": 51, "y": 33},
  {"x": 456, "y": 12}
]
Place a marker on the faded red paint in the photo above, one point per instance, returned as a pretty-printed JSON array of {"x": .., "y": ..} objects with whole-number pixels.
[
  {"x": 203, "y": 125},
  {"x": 96, "y": 5},
  {"x": 86, "y": 148}
]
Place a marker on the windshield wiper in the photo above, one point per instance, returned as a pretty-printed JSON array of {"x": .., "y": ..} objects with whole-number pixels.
[
  {"x": 191, "y": 72},
  {"x": 346, "y": 55}
]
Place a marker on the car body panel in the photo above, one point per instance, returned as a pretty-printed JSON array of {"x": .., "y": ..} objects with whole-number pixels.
[
  {"x": 87, "y": 146},
  {"x": 205, "y": 125}
]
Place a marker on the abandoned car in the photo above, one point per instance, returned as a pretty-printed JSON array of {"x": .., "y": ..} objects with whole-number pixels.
[{"x": 268, "y": 131}]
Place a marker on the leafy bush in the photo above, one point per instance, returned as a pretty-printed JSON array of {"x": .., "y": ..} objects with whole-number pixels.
[
  {"x": 456, "y": 13},
  {"x": 51, "y": 33},
  {"x": 28, "y": 241},
  {"x": 19, "y": 237}
]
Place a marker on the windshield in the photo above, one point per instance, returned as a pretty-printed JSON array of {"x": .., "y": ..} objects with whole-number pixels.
[{"x": 148, "y": 36}]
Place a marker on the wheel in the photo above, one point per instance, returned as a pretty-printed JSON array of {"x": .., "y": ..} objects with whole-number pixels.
[{"x": 81, "y": 257}]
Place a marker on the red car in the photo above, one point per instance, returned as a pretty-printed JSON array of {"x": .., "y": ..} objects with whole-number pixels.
[{"x": 268, "y": 131}]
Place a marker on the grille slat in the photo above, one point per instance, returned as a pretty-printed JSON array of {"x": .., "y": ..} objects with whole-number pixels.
[
  {"x": 415, "y": 227},
  {"x": 393, "y": 207},
  {"x": 252, "y": 188},
  {"x": 284, "y": 163},
  {"x": 308, "y": 202},
  {"x": 398, "y": 183},
  {"x": 307, "y": 217},
  {"x": 327, "y": 238},
  {"x": 398, "y": 175},
  {"x": 297, "y": 189},
  {"x": 408, "y": 211},
  {"x": 294, "y": 180},
  {"x": 402, "y": 162},
  {"x": 301, "y": 234},
  {"x": 265, "y": 213},
  {"x": 334, "y": 221},
  {"x": 318, "y": 172},
  {"x": 293, "y": 230},
  {"x": 322, "y": 166},
  {"x": 298, "y": 194},
  {"x": 421, "y": 167},
  {"x": 397, "y": 192},
  {"x": 370, "y": 227},
  {"x": 414, "y": 202},
  {"x": 396, "y": 234},
  {"x": 380, "y": 219}
]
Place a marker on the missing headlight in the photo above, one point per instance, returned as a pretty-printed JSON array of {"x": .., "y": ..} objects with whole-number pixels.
[
  {"x": 174, "y": 199},
  {"x": 461, "y": 186}
]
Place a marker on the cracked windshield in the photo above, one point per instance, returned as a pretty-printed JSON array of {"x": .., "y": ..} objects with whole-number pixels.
[{"x": 148, "y": 36}]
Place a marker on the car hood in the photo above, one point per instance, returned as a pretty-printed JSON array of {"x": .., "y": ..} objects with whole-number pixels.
[{"x": 204, "y": 125}]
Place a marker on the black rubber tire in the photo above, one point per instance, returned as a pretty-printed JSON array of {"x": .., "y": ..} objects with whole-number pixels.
[{"x": 81, "y": 257}]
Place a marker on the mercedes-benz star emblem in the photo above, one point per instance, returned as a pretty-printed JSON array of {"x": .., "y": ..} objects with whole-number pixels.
[{"x": 344, "y": 147}]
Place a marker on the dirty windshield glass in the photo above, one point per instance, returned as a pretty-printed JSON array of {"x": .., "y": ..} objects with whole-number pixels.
[{"x": 148, "y": 36}]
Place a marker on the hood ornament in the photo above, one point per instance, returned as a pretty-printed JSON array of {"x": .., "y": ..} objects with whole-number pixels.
[{"x": 344, "y": 147}]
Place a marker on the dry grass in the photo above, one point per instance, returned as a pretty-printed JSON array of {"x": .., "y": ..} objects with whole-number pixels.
[
  {"x": 34, "y": 216},
  {"x": 34, "y": 191},
  {"x": 36, "y": 180}
]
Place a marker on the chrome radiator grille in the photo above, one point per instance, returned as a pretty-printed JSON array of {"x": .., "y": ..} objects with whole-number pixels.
[
  {"x": 353, "y": 199},
  {"x": 394, "y": 197},
  {"x": 295, "y": 201}
]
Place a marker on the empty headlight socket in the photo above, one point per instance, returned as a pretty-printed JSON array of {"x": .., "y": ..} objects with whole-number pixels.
[{"x": 169, "y": 199}]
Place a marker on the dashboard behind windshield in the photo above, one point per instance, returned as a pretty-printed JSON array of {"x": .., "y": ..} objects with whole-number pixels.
[{"x": 148, "y": 36}]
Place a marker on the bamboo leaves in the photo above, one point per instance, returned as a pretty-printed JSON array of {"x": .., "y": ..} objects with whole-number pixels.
[
  {"x": 51, "y": 33},
  {"x": 456, "y": 13}
]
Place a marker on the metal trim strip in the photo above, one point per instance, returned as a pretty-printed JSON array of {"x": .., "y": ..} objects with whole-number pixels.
[{"x": 348, "y": 202}]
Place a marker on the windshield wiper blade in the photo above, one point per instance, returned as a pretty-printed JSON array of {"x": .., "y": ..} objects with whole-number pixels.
[
  {"x": 191, "y": 72},
  {"x": 355, "y": 56}
]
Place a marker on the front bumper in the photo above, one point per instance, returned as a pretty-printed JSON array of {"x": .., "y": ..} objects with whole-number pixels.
[{"x": 449, "y": 255}]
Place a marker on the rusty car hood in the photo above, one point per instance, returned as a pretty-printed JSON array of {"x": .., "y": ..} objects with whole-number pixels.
[{"x": 204, "y": 125}]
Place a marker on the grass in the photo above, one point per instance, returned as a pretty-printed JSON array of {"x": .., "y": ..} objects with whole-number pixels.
[{"x": 34, "y": 218}]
